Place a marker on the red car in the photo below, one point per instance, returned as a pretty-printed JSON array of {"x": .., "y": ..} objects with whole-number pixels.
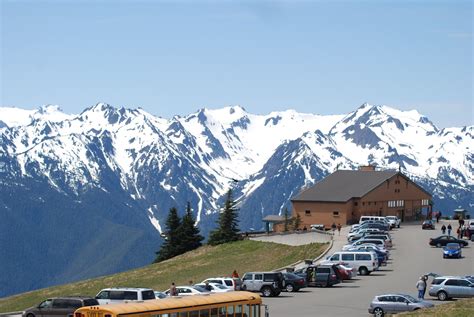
[{"x": 344, "y": 272}]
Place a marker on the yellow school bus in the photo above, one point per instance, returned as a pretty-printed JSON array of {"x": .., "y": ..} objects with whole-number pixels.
[{"x": 231, "y": 304}]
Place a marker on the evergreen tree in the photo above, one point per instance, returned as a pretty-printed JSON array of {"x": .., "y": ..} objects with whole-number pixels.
[
  {"x": 172, "y": 245},
  {"x": 287, "y": 220},
  {"x": 297, "y": 222},
  {"x": 191, "y": 239},
  {"x": 227, "y": 230}
]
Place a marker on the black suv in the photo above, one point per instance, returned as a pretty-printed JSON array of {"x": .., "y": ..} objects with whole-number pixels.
[
  {"x": 60, "y": 306},
  {"x": 268, "y": 283}
]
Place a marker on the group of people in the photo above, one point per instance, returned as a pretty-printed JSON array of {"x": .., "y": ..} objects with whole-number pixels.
[
  {"x": 174, "y": 291},
  {"x": 461, "y": 231}
]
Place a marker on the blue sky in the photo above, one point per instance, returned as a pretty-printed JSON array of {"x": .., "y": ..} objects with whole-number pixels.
[{"x": 172, "y": 58}]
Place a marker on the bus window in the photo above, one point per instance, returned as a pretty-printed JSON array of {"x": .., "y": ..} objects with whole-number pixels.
[
  {"x": 230, "y": 311},
  {"x": 194, "y": 313},
  {"x": 222, "y": 312},
  {"x": 256, "y": 311},
  {"x": 238, "y": 311},
  {"x": 183, "y": 314},
  {"x": 214, "y": 312},
  {"x": 204, "y": 313},
  {"x": 246, "y": 311}
]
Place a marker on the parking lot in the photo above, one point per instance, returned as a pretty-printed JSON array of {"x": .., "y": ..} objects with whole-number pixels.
[{"x": 411, "y": 256}]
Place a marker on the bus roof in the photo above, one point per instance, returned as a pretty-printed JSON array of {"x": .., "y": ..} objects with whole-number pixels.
[{"x": 132, "y": 307}]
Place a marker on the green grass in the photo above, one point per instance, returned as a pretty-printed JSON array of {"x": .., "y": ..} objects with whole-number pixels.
[
  {"x": 207, "y": 261},
  {"x": 458, "y": 308}
]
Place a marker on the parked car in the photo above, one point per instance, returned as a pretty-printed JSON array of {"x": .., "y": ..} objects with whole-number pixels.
[
  {"x": 214, "y": 287},
  {"x": 59, "y": 306},
  {"x": 345, "y": 272},
  {"x": 445, "y": 287},
  {"x": 268, "y": 283},
  {"x": 323, "y": 275},
  {"x": 442, "y": 241},
  {"x": 364, "y": 241},
  {"x": 428, "y": 224},
  {"x": 293, "y": 282},
  {"x": 364, "y": 262},
  {"x": 229, "y": 282},
  {"x": 119, "y": 295},
  {"x": 394, "y": 221},
  {"x": 160, "y": 295},
  {"x": 395, "y": 303},
  {"x": 188, "y": 291},
  {"x": 452, "y": 250}
]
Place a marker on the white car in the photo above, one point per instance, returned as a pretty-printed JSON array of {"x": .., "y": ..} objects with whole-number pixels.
[
  {"x": 394, "y": 221},
  {"x": 378, "y": 242},
  {"x": 229, "y": 282},
  {"x": 120, "y": 295},
  {"x": 215, "y": 287},
  {"x": 188, "y": 290},
  {"x": 364, "y": 262}
]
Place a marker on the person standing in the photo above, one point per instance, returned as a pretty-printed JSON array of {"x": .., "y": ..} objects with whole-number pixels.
[
  {"x": 235, "y": 274},
  {"x": 449, "y": 229},
  {"x": 421, "y": 287},
  {"x": 339, "y": 228},
  {"x": 173, "y": 291},
  {"x": 333, "y": 227},
  {"x": 443, "y": 229},
  {"x": 425, "y": 278}
]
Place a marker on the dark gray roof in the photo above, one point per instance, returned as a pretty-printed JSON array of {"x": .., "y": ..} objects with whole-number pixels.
[{"x": 342, "y": 185}]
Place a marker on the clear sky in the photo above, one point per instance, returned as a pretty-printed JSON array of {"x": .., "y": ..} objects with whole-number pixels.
[{"x": 172, "y": 58}]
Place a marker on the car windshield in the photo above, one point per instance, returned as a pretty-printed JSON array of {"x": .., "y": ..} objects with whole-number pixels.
[
  {"x": 291, "y": 276},
  {"x": 411, "y": 299},
  {"x": 201, "y": 289},
  {"x": 452, "y": 246}
]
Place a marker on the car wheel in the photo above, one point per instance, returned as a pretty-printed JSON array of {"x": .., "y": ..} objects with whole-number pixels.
[
  {"x": 266, "y": 291},
  {"x": 363, "y": 270},
  {"x": 438, "y": 245},
  {"x": 442, "y": 296},
  {"x": 30, "y": 315},
  {"x": 378, "y": 312},
  {"x": 290, "y": 288}
]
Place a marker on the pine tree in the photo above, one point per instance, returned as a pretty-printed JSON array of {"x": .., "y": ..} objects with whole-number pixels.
[
  {"x": 287, "y": 220},
  {"x": 228, "y": 229},
  {"x": 172, "y": 245},
  {"x": 297, "y": 222},
  {"x": 191, "y": 239}
]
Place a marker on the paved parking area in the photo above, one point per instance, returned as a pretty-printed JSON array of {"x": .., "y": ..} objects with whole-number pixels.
[{"x": 411, "y": 256}]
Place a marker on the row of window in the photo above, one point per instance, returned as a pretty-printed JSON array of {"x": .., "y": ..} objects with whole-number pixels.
[
  {"x": 395, "y": 203},
  {"x": 226, "y": 311}
]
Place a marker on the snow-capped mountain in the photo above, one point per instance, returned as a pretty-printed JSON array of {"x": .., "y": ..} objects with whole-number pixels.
[{"x": 100, "y": 183}]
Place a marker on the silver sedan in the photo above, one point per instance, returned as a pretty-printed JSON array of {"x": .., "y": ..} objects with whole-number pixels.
[{"x": 395, "y": 303}]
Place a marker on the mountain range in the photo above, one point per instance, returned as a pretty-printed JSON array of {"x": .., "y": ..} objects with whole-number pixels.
[{"x": 88, "y": 194}]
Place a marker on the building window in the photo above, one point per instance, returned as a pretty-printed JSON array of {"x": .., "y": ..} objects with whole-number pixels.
[
  {"x": 363, "y": 204},
  {"x": 375, "y": 203},
  {"x": 397, "y": 190},
  {"x": 355, "y": 203},
  {"x": 392, "y": 203},
  {"x": 335, "y": 213},
  {"x": 400, "y": 203},
  {"x": 307, "y": 212},
  {"x": 425, "y": 202}
]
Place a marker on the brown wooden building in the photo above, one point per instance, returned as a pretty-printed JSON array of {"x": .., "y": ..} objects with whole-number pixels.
[{"x": 344, "y": 196}]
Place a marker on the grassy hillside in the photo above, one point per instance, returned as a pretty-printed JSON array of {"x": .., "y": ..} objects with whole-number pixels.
[
  {"x": 458, "y": 308},
  {"x": 207, "y": 261}
]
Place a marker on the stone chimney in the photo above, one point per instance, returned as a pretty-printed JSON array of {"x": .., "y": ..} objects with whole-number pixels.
[{"x": 367, "y": 168}]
